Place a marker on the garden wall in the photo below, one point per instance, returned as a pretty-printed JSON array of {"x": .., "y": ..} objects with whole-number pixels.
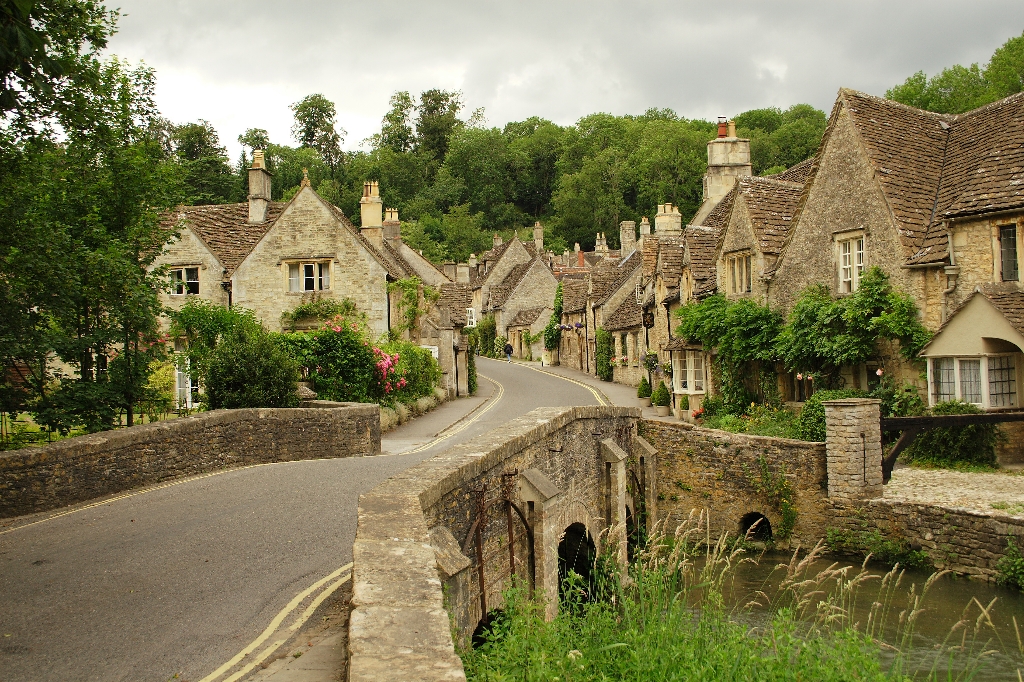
[
  {"x": 719, "y": 472},
  {"x": 86, "y": 467}
]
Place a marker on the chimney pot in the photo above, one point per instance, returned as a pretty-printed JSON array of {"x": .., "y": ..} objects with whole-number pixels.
[
  {"x": 580, "y": 263},
  {"x": 723, "y": 127},
  {"x": 732, "y": 128}
]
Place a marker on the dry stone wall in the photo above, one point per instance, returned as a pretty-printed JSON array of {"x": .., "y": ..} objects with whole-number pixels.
[{"x": 87, "y": 467}]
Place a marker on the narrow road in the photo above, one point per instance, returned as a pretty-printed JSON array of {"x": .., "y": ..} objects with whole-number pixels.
[{"x": 177, "y": 581}]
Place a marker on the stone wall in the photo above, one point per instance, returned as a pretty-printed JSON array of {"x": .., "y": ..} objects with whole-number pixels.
[
  {"x": 86, "y": 467},
  {"x": 960, "y": 540},
  {"x": 718, "y": 473},
  {"x": 415, "y": 550}
]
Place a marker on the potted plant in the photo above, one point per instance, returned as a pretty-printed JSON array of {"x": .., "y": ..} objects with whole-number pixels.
[
  {"x": 643, "y": 392},
  {"x": 660, "y": 399}
]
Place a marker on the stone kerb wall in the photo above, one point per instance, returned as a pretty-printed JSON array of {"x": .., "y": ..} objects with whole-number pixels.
[
  {"x": 718, "y": 473},
  {"x": 411, "y": 558},
  {"x": 91, "y": 466}
]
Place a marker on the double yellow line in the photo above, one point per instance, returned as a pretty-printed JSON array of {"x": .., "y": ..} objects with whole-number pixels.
[
  {"x": 492, "y": 401},
  {"x": 283, "y": 634}
]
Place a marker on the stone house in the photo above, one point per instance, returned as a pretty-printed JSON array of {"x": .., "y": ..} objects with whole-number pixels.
[
  {"x": 573, "y": 349},
  {"x": 270, "y": 257},
  {"x": 529, "y": 286},
  {"x": 526, "y": 332},
  {"x": 932, "y": 199}
]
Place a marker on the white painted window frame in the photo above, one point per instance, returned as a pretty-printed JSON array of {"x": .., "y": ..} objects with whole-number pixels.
[{"x": 983, "y": 360}]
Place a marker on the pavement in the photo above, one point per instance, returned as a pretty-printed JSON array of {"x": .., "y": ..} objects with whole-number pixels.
[{"x": 206, "y": 579}]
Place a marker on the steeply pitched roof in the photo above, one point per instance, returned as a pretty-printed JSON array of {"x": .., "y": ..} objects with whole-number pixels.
[
  {"x": 501, "y": 292},
  {"x": 396, "y": 266},
  {"x": 627, "y": 316},
  {"x": 624, "y": 270},
  {"x": 771, "y": 204},
  {"x": 719, "y": 215},
  {"x": 702, "y": 242},
  {"x": 798, "y": 173},
  {"x": 225, "y": 229},
  {"x": 456, "y": 297},
  {"x": 525, "y": 318},
  {"x": 1009, "y": 303},
  {"x": 574, "y": 294}
]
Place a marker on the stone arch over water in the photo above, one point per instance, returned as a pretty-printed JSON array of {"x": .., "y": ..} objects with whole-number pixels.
[{"x": 757, "y": 525}]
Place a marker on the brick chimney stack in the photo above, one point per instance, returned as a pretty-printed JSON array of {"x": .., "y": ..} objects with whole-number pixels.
[
  {"x": 259, "y": 188},
  {"x": 392, "y": 227},
  {"x": 627, "y": 238},
  {"x": 371, "y": 213},
  {"x": 669, "y": 220}
]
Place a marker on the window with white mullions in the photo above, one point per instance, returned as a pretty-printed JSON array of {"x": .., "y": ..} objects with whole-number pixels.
[
  {"x": 1002, "y": 381},
  {"x": 688, "y": 371},
  {"x": 309, "y": 276},
  {"x": 988, "y": 381},
  {"x": 851, "y": 264},
  {"x": 944, "y": 379},
  {"x": 185, "y": 281}
]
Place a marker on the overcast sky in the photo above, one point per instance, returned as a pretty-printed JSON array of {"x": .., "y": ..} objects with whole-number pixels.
[{"x": 239, "y": 64}]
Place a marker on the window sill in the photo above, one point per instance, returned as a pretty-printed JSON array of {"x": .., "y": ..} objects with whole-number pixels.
[{"x": 303, "y": 293}]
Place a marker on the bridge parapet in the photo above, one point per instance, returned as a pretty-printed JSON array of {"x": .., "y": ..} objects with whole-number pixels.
[{"x": 454, "y": 530}]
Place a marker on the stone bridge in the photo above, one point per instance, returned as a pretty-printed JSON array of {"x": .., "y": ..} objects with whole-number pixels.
[{"x": 437, "y": 544}]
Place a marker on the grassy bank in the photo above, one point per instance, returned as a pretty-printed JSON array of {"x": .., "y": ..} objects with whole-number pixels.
[{"x": 669, "y": 621}]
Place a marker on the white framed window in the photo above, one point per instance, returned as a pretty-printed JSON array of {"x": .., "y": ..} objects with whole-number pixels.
[
  {"x": 185, "y": 281},
  {"x": 688, "y": 371},
  {"x": 314, "y": 276},
  {"x": 470, "y": 317},
  {"x": 739, "y": 273},
  {"x": 989, "y": 381},
  {"x": 851, "y": 264}
]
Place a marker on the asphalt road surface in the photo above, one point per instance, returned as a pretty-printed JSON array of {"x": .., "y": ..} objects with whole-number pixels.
[{"x": 194, "y": 580}]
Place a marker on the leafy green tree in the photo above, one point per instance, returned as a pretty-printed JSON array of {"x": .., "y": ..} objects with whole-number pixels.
[
  {"x": 48, "y": 51},
  {"x": 533, "y": 149},
  {"x": 1005, "y": 71},
  {"x": 436, "y": 120},
  {"x": 251, "y": 369},
  {"x": 316, "y": 127},
  {"x": 396, "y": 129},
  {"x": 208, "y": 177}
]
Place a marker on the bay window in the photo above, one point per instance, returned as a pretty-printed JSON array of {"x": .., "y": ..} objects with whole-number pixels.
[
  {"x": 688, "y": 371},
  {"x": 988, "y": 381}
]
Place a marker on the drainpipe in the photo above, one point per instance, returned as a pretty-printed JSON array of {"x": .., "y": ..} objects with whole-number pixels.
[
  {"x": 226, "y": 286},
  {"x": 952, "y": 273}
]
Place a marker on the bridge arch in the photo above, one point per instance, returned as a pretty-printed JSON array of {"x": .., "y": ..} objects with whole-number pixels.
[{"x": 756, "y": 526}]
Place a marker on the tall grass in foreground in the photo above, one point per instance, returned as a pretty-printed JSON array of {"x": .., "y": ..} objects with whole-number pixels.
[{"x": 667, "y": 620}]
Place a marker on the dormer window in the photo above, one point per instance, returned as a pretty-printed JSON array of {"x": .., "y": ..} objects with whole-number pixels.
[
  {"x": 185, "y": 281},
  {"x": 851, "y": 264},
  {"x": 304, "y": 277},
  {"x": 739, "y": 273}
]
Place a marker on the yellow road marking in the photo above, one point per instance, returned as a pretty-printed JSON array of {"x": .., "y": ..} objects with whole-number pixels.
[
  {"x": 601, "y": 400},
  {"x": 494, "y": 401},
  {"x": 263, "y": 655},
  {"x": 275, "y": 623}
]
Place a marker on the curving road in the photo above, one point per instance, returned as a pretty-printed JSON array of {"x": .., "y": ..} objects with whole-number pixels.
[{"x": 180, "y": 580}]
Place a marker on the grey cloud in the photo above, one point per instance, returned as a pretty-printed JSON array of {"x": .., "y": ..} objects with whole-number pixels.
[{"x": 561, "y": 60}]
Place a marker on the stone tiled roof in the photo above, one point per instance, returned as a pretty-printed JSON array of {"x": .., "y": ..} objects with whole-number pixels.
[
  {"x": 501, "y": 292},
  {"x": 719, "y": 215},
  {"x": 906, "y": 147},
  {"x": 771, "y": 204},
  {"x": 525, "y": 318},
  {"x": 702, "y": 243},
  {"x": 625, "y": 270},
  {"x": 798, "y": 173},
  {"x": 627, "y": 316},
  {"x": 602, "y": 277},
  {"x": 574, "y": 294},
  {"x": 671, "y": 254},
  {"x": 225, "y": 229},
  {"x": 649, "y": 254},
  {"x": 456, "y": 297}
]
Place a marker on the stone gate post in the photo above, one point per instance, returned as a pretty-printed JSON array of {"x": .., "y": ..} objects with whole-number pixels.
[
  {"x": 853, "y": 446},
  {"x": 614, "y": 459}
]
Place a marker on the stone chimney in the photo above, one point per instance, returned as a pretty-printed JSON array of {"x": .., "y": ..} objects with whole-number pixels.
[
  {"x": 462, "y": 273},
  {"x": 392, "y": 227},
  {"x": 538, "y": 237},
  {"x": 580, "y": 262},
  {"x": 259, "y": 188},
  {"x": 371, "y": 213},
  {"x": 669, "y": 220},
  {"x": 496, "y": 239},
  {"x": 600, "y": 244},
  {"x": 728, "y": 159},
  {"x": 472, "y": 260},
  {"x": 448, "y": 268},
  {"x": 627, "y": 237},
  {"x": 645, "y": 227}
]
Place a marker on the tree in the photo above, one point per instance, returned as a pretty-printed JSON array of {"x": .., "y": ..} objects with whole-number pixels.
[
  {"x": 1005, "y": 71},
  {"x": 315, "y": 127},
  {"x": 48, "y": 51},
  {"x": 396, "y": 128},
  {"x": 207, "y": 175},
  {"x": 436, "y": 119}
]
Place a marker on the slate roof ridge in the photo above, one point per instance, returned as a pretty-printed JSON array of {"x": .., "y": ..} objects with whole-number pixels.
[
  {"x": 891, "y": 102},
  {"x": 526, "y": 317}
]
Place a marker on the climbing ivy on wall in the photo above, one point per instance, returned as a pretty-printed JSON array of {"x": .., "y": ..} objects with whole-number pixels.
[
  {"x": 604, "y": 347},
  {"x": 414, "y": 300},
  {"x": 553, "y": 331}
]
